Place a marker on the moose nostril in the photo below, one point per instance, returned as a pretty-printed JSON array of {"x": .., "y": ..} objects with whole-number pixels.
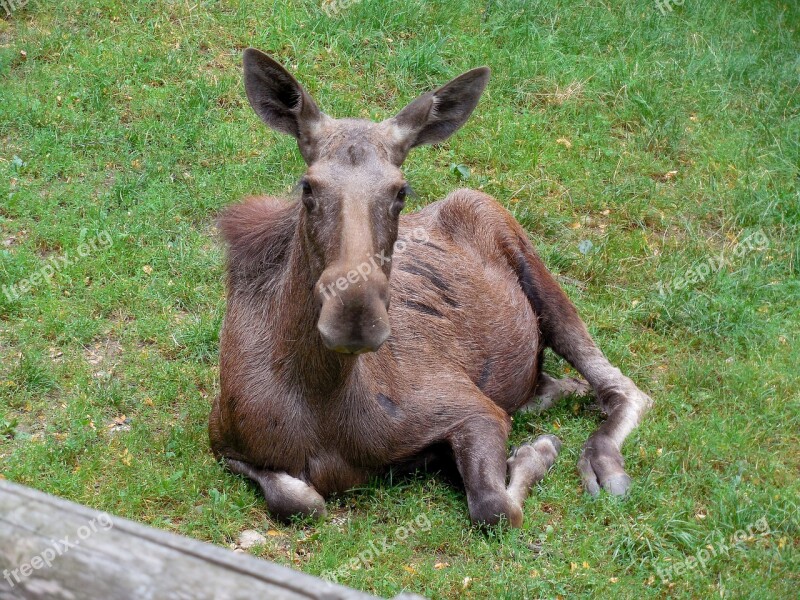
[
  {"x": 326, "y": 335},
  {"x": 381, "y": 337},
  {"x": 370, "y": 342}
]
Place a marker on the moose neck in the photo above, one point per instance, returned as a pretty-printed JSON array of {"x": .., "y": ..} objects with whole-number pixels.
[{"x": 320, "y": 372}]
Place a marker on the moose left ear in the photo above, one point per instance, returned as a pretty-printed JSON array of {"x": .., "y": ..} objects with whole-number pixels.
[
  {"x": 281, "y": 102},
  {"x": 435, "y": 116}
]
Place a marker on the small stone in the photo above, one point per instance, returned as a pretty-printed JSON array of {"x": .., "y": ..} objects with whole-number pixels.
[{"x": 249, "y": 538}]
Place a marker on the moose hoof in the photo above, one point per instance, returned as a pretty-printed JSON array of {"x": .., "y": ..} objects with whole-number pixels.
[
  {"x": 548, "y": 444},
  {"x": 543, "y": 450},
  {"x": 295, "y": 498},
  {"x": 493, "y": 509},
  {"x": 617, "y": 485},
  {"x": 601, "y": 467}
]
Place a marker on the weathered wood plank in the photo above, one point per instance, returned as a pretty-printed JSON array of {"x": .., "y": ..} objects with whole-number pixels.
[{"x": 51, "y": 548}]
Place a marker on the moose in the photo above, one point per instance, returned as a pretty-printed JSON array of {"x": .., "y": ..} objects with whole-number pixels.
[{"x": 341, "y": 356}]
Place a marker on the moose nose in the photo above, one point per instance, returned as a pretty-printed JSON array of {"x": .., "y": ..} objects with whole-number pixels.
[
  {"x": 355, "y": 319},
  {"x": 352, "y": 346}
]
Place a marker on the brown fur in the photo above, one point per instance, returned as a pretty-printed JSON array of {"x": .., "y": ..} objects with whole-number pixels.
[{"x": 471, "y": 308}]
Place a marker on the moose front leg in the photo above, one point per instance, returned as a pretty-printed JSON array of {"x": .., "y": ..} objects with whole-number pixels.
[
  {"x": 286, "y": 496},
  {"x": 479, "y": 446}
]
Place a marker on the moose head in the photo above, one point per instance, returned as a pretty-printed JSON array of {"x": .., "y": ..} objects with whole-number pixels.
[{"x": 353, "y": 190}]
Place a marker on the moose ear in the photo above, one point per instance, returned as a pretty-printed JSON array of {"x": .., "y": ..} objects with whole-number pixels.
[
  {"x": 435, "y": 116},
  {"x": 280, "y": 101}
]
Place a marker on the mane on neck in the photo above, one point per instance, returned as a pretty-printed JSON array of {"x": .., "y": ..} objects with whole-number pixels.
[{"x": 259, "y": 234}]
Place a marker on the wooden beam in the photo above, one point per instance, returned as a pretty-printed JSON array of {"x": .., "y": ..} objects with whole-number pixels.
[{"x": 54, "y": 549}]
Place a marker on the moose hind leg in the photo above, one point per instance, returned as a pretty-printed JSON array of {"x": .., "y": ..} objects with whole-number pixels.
[
  {"x": 601, "y": 464},
  {"x": 286, "y": 496},
  {"x": 550, "y": 390}
]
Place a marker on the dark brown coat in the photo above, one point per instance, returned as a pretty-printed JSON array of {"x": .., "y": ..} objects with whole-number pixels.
[{"x": 356, "y": 338}]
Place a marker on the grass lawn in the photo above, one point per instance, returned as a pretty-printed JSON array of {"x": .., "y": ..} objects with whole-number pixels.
[{"x": 652, "y": 154}]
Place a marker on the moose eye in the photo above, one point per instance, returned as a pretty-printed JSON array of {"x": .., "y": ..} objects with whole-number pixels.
[
  {"x": 308, "y": 196},
  {"x": 399, "y": 201}
]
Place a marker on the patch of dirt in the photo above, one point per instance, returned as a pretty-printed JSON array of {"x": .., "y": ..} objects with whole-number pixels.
[
  {"x": 120, "y": 423},
  {"x": 102, "y": 355},
  {"x": 13, "y": 240}
]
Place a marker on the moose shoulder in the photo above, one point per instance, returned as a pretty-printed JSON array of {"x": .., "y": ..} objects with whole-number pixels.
[{"x": 356, "y": 337}]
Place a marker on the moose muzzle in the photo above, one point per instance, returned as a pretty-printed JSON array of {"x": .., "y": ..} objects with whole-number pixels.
[{"x": 354, "y": 314}]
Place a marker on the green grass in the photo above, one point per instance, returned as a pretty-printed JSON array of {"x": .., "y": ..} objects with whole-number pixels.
[{"x": 665, "y": 140}]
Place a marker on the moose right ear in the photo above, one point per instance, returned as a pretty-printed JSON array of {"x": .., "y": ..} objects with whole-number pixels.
[
  {"x": 280, "y": 101},
  {"x": 435, "y": 116}
]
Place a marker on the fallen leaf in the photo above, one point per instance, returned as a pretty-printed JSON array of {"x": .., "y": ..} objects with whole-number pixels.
[
  {"x": 564, "y": 142},
  {"x": 664, "y": 177}
]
